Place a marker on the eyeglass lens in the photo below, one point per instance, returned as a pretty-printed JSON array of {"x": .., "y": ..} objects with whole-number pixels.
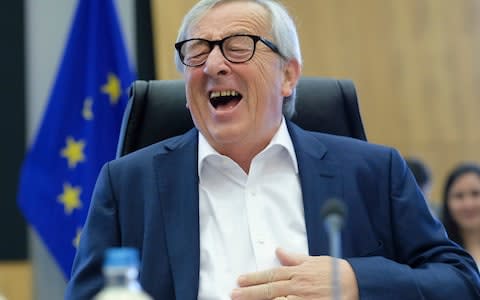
[{"x": 235, "y": 48}]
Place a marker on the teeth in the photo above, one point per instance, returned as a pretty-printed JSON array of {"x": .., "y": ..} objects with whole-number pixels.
[{"x": 223, "y": 93}]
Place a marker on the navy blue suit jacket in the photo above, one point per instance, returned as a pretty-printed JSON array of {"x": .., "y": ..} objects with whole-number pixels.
[{"x": 149, "y": 200}]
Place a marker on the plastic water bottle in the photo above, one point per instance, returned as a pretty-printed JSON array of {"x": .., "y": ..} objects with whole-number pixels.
[{"x": 120, "y": 270}]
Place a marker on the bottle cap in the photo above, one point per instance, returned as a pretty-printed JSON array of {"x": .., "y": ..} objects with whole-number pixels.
[{"x": 121, "y": 257}]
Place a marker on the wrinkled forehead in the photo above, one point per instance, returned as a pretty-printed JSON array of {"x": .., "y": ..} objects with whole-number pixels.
[{"x": 231, "y": 17}]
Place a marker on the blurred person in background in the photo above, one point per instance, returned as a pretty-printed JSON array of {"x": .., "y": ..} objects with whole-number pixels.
[
  {"x": 461, "y": 207},
  {"x": 423, "y": 176}
]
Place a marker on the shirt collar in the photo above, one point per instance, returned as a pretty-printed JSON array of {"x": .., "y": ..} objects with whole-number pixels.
[{"x": 281, "y": 138}]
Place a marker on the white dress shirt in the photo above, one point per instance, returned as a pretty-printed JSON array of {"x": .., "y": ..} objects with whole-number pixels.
[{"x": 245, "y": 217}]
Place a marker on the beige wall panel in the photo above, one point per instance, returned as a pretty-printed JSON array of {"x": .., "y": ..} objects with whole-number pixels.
[
  {"x": 16, "y": 280},
  {"x": 415, "y": 64},
  {"x": 167, "y": 17}
]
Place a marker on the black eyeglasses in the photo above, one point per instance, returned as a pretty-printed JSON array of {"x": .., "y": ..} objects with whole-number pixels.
[{"x": 237, "y": 48}]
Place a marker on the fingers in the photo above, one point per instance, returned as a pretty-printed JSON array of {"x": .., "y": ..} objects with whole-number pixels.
[
  {"x": 289, "y": 297},
  {"x": 282, "y": 273},
  {"x": 290, "y": 259},
  {"x": 267, "y": 291},
  {"x": 265, "y": 276},
  {"x": 268, "y": 284},
  {"x": 301, "y": 277}
]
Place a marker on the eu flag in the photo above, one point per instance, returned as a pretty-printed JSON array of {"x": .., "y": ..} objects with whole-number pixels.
[{"x": 79, "y": 131}]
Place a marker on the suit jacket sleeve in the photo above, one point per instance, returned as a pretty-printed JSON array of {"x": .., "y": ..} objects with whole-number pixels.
[{"x": 425, "y": 264}]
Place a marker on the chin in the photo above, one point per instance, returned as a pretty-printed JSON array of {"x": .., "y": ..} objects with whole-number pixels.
[
  {"x": 229, "y": 131},
  {"x": 471, "y": 225}
]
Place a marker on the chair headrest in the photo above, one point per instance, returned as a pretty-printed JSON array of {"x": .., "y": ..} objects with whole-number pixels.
[{"x": 156, "y": 111}]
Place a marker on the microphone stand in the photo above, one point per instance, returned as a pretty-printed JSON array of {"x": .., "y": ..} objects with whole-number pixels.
[{"x": 333, "y": 213}]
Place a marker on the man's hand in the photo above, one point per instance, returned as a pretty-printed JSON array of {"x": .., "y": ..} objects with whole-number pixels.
[{"x": 300, "y": 277}]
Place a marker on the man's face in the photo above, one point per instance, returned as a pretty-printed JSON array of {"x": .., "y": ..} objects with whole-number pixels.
[{"x": 247, "y": 121}]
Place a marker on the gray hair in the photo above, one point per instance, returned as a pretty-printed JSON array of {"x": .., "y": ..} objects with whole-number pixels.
[{"x": 283, "y": 30}]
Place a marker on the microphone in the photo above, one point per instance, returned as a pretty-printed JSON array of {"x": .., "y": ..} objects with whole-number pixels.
[{"x": 333, "y": 213}]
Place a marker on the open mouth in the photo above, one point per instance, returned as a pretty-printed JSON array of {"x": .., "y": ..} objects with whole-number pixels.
[{"x": 225, "y": 100}]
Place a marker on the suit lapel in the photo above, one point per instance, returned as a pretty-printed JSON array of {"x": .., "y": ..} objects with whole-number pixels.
[
  {"x": 320, "y": 180},
  {"x": 177, "y": 179}
]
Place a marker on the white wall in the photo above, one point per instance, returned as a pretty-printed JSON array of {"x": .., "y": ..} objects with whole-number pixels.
[{"x": 47, "y": 26}]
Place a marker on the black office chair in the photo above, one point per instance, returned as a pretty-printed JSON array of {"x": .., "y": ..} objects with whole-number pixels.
[{"x": 156, "y": 111}]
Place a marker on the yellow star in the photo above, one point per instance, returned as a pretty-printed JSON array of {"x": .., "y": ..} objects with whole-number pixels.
[
  {"x": 112, "y": 88},
  {"x": 87, "y": 109},
  {"x": 73, "y": 152},
  {"x": 70, "y": 198},
  {"x": 76, "y": 240}
]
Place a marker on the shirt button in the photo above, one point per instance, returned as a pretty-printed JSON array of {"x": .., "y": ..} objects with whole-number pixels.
[{"x": 260, "y": 239}]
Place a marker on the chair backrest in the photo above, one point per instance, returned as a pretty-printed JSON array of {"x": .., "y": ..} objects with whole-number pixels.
[{"x": 156, "y": 111}]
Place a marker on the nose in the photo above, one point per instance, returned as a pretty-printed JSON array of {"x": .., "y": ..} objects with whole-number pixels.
[{"x": 216, "y": 64}]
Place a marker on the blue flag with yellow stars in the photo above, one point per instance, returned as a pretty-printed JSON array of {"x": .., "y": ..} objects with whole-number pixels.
[{"x": 79, "y": 131}]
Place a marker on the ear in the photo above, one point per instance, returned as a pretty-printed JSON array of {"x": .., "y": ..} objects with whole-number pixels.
[{"x": 292, "y": 70}]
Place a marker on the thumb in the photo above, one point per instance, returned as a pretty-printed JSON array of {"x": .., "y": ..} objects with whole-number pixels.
[{"x": 290, "y": 259}]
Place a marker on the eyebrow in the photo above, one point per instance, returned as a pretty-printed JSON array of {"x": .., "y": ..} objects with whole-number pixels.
[{"x": 226, "y": 34}]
